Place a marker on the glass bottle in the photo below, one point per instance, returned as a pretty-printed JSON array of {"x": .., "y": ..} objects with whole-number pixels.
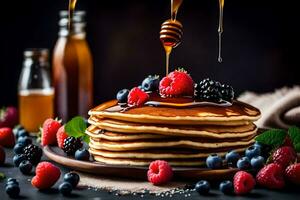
[
  {"x": 72, "y": 68},
  {"x": 36, "y": 95}
]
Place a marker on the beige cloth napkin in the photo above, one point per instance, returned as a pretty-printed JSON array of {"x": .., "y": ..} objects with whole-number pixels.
[{"x": 280, "y": 109}]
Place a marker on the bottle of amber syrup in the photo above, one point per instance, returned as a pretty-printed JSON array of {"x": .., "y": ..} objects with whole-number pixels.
[{"x": 72, "y": 68}]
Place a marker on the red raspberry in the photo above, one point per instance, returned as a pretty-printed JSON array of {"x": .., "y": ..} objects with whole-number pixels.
[
  {"x": 46, "y": 175},
  {"x": 50, "y": 128},
  {"x": 177, "y": 83},
  {"x": 243, "y": 183},
  {"x": 2, "y": 156},
  {"x": 292, "y": 173},
  {"x": 137, "y": 97},
  {"x": 7, "y": 138},
  {"x": 284, "y": 156},
  {"x": 61, "y": 135},
  {"x": 159, "y": 172},
  {"x": 271, "y": 176}
]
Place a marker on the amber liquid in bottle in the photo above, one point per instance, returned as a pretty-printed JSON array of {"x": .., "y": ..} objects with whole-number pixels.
[{"x": 72, "y": 72}]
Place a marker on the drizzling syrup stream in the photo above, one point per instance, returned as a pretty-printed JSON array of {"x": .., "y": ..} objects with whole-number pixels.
[
  {"x": 72, "y": 5},
  {"x": 220, "y": 29}
]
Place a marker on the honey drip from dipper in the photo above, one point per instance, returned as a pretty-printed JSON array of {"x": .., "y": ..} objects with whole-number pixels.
[{"x": 171, "y": 32}]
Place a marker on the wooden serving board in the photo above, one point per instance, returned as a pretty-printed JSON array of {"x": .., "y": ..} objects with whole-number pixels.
[{"x": 180, "y": 173}]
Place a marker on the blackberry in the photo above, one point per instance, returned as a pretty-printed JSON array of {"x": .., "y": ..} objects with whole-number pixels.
[
  {"x": 210, "y": 90},
  {"x": 33, "y": 154},
  {"x": 71, "y": 145}
]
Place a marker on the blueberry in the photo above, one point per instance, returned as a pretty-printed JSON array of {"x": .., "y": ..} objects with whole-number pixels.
[
  {"x": 25, "y": 167},
  {"x": 150, "y": 83},
  {"x": 24, "y": 140},
  {"x": 232, "y": 157},
  {"x": 18, "y": 148},
  {"x": 258, "y": 144},
  {"x": 82, "y": 154},
  {"x": 17, "y": 159},
  {"x": 226, "y": 187},
  {"x": 257, "y": 162},
  {"x": 22, "y": 133},
  {"x": 13, "y": 190},
  {"x": 65, "y": 188},
  {"x": 243, "y": 163},
  {"x": 72, "y": 178},
  {"x": 11, "y": 181},
  {"x": 202, "y": 187},
  {"x": 214, "y": 161},
  {"x": 252, "y": 151},
  {"x": 122, "y": 96}
]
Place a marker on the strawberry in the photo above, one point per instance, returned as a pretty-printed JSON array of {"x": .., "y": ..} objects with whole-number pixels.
[
  {"x": 159, "y": 172},
  {"x": 7, "y": 138},
  {"x": 2, "y": 156},
  {"x": 61, "y": 135},
  {"x": 46, "y": 175},
  {"x": 9, "y": 117},
  {"x": 137, "y": 97},
  {"x": 177, "y": 83},
  {"x": 284, "y": 156},
  {"x": 243, "y": 183},
  {"x": 271, "y": 176},
  {"x": 50, "y": 128},
  {"x": 292, "y": 173}
]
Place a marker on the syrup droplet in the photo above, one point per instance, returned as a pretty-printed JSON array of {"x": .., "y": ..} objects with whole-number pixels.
[{"x": 220, "y": 29}]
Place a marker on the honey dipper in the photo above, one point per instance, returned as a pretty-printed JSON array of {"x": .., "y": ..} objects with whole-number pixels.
[{"x": 171, "y": 33}]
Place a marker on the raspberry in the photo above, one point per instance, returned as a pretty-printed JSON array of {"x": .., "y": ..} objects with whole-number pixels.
[
  {"x": 49, "y": 131},
  {"x": 271, "y": 176},
  {"x": 243, "y": 183},
  {"x": 292, "y": 173},
  {"x": 159, "y": 172},
  {"x": 137, "y": 97},
  {"x": 284, "y": 156},
  {"x": 46, "y": 176},
  {"x": 177, "y": 83},
  {"x": 7, "y": 138},
  {"x": 61, "y": 135}
]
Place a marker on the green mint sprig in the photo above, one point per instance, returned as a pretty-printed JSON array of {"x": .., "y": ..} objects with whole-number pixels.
[
  {"x": 76, "y": 127},
  {"x": 276, "y": 137}
]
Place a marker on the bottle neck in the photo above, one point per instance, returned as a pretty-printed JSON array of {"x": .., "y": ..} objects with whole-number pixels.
[{"x": 77, "y": 30}]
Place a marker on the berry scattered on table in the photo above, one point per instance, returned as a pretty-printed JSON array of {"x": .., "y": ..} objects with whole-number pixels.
[
  {"x": 210, "y": 90},
  {"x": 160, "y": 172},
  {"x": 243, "y": 183},
  {"x": 292, "y": 173},
  {"x": 25, "y": 167},
  {"x": 17, "y": 159},
  {"x": 71, "y": 145},
  {"x": 21, "y": 132},
  {"x": 177, "y": 83},
  {"x": 65, "y": 188},
  {"x": 2, "y": 155},
  {"x": 72, "y": 178},
  {"x": 46, "y": 176},
  {"x": 49, "y": 130},
  {"x": 61, "y": 135},
  {"x": 271, "y": 176},
  {"x": 243, "y": 163},
  {"x": 18, "y": 148},
  {"x": 13, "y": 190},
  {"x": 284, "y": 156},
  {"x": 9, "y": 117},
  {"x": 122, "y": 96},
  {"x": 214, "y": 161},
  {"x": 11, "y": 181},
  {"x": 252, "y": 151},
  {"x": 151, "y": 83},
  {"x": 33, "y": 153},
  {"x": 24, "y": 140},
  {"x": 226, "y": 187},
  {"x": 7, "y": 138},
  {"x": 257, "y": 162},
  {"x": 82, "y": 154},
  {"x": 137, "y": 97},
  {"x": 232, "y": 157},
  {"x": 202, "y": 187}
]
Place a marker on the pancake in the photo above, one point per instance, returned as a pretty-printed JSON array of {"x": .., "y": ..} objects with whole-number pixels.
[
  {"x": 209, "y": 131},
  {"x": 237, "y": 114}
]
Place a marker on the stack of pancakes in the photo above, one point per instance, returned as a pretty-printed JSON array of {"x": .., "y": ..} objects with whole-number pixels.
[{"x": 181, "y": 135}]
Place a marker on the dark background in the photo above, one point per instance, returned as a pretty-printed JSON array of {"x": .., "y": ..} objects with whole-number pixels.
[{"x": 260, "y": 48}]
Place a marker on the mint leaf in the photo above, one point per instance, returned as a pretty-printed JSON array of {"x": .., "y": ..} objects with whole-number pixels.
[
  {"x": 76, "y": 127},
  {"x": 2, "y": 176},
  {"x": 294, "y": 133},
  {"x": 86, "y": 138},
  {"x": 273, "y": 137}
]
